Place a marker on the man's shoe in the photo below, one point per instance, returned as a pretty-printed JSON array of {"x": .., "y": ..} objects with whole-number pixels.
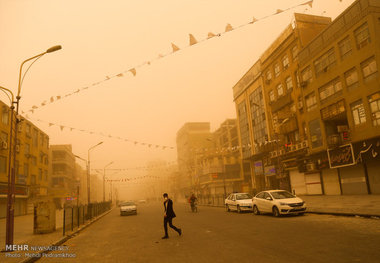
[
  {"x": 180, "y": 231},
  {"x": 165, "y": 237}
]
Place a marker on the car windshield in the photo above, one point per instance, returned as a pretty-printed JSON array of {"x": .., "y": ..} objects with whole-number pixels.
[
  {"x": 243, "y": 196},
  {"x": 282, "y": 195},
  {"x": 127, "y": 204}
]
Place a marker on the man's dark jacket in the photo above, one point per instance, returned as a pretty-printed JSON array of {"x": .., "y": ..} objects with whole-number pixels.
[{"x": 169, "y": 209}]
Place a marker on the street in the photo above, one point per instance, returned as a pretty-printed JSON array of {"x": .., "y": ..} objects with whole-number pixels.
[{"x": 214, "y": 235}]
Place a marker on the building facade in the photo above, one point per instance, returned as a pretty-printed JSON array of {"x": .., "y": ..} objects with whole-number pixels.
[
  {"x": 341, "y": 97},
  {"x": 32, "y": 163}
]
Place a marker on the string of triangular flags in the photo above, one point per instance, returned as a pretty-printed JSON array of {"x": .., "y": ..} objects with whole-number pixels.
[
  {"x": 132, "y": 179},
  {"x": 133, "y": 71},
  {"x": 145, "y": 168},
  {"x": 133, "y": 142}
]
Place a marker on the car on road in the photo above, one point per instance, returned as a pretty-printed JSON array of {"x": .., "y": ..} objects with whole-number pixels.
[
  {"x": 238, "y": 202},
  {"x": 128, "y": 208},
  {"x": 277, "y": 202}
]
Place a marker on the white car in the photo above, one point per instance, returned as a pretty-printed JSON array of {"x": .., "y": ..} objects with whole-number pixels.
[
  {"x": 127, "y": 208},
  {"x": 278, "y": 202},
  {"x": 239, "y": 202}
]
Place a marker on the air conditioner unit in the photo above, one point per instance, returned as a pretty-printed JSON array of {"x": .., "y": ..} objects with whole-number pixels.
[
  {"x": 299, "y": 146},
  {"x": 311, "y": 167},
  {"x": 4, "y": 145}
]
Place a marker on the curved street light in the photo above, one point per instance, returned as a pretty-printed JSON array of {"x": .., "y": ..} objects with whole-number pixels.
[
  {"x": 88, "y": 172},
  {"x": 104, "y": 181},
  {"x": 11, "y": 187}
]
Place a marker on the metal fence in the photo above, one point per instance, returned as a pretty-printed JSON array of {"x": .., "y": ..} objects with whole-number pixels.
[
  {"x": 213, "y": 200},
  {"x": 75, "y": 216}
]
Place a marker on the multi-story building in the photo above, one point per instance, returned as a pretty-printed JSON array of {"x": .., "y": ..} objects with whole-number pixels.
[
  {"x": 267, "y": 107},
  {"x": 192, "y": 137},
  {"x": 63, "y": 184},
  {"x": 340, "y": 113},
  {"x": 219, "y": 170},
  {"x": 32, "y": 163}
]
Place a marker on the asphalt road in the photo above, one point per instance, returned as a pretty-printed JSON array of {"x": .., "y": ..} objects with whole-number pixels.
[{"x": 214, "y": 235}]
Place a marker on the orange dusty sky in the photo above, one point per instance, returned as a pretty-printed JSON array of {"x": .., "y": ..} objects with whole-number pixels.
[{"x": 104, "y": 38}]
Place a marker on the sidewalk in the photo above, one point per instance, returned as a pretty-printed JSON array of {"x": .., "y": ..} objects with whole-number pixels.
[
  {"x": 361, "y": 205},
  {"x": 349, "y": 205}
]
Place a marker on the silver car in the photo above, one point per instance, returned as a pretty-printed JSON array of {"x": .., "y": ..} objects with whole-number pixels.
[
  {"x": 128, "y": 208},
  {"x": 239, "y": 202}
]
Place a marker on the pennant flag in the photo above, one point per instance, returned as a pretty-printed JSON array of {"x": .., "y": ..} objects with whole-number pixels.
[
  {"x": 229, "y": 28},
  {"x": 77, "y": 91},
  {"x": 175, "y": 48},
  {"x": 148, "y": 62},
  {"x": 210, "y": 35},
  {"x": 107, "y": 78},
  {"x": 157, "y": 146},
  {"x": 51, "y": 99},
  {"x": 193, "y": 41},
  {"x": 310, "y": 3},
  {"x": 135, "y": 143},
  {"x": 62, "y": 127},
  {"x": 279, "y": 11},
  {"x": 71, "y": 129},
  {"x": 119, "y": 75},
  {"x": 254, "y": 20},
  {"x": 34, "y": 107},
  {"x": 160, "y": 56},
  {"x": 58, "y": 97},
  {"x": 43, "y": 103},
  {"x": 84, "y": 88},
  {"x": 149, "y": 145},
  {"x": 133, "y": 71}
]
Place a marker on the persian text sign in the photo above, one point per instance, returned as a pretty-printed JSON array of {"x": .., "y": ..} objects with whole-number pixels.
[{"x": 342, "y": 156}]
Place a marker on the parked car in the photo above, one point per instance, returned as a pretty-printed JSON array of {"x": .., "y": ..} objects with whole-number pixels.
[
  {"x": 278, "y": 202},
  {"x": 127, "y": 208},
  {"x": 239, "y": 202}
]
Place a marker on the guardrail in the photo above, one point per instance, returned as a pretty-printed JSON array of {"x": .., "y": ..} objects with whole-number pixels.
[
  {"x": 75, "y": 216},
  {"x": 212, "y": 200}
]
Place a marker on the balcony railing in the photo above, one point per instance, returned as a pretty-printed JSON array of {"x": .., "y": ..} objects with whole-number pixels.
[
  {"x": 281, "y": 102},
  {"x": 289, "y": 126}
]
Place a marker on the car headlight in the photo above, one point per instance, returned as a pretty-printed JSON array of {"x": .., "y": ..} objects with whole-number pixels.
[{"x": 283, "y": 203}]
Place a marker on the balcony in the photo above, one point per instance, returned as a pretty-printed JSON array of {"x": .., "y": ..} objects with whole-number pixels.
[
  {"x": 281, "y": 102},
  {"x": 289, "y": 126}
]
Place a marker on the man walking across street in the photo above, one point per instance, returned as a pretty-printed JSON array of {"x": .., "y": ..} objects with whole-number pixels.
[{"x": 168, "y": 216}]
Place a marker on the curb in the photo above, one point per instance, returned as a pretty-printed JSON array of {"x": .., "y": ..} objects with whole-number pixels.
[
  {"x": 347, "y": 214},
  {"x": 65, "y": 238}
]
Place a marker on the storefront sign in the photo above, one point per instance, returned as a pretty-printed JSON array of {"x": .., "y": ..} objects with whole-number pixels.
[
  {"x": 259, "y": 168},
  {"x": 342, "y": 156},
  {"x": 270, "y": 170},
  {"x": 19, "y": 190}
]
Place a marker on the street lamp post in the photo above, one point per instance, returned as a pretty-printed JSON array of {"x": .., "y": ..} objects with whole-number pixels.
[
  {"x": 88, "y": 172},
  {"x": 11, "y": 186},
  {"x": 86, "y": 167},
  {"x": 104, "y": 181}
]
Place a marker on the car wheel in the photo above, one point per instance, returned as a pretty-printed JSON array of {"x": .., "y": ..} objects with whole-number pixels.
[
  {"x": 227, "y": 208},
  {"x": 301, "y": 214},
  {"x": 256, "y": 210},
  {"x": 238, "y": 209},
  {"x": 275, "y": 211}
]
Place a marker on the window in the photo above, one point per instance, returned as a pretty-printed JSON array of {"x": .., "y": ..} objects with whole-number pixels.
[
  {"x": 315, "y": 133},
  {"x": 306, "y": 75},
  {"x": 351, "y": 77},
  {"x": 271, "y": 96},
  {"x": 5, "y": 115},
  {"x": 39, "y": 174},
  {"x": 3, "y": 164},
  {"x": 258, "y": 117},
  {"x": 41, "y": 157},
  {"x": 280, "y": 90},
  {"x": 345, "y": 48},
  {"x": 27, "y": 149},
  {"x": 326, "y": 61},
  {"x": 3, "y": 138},
  {"x": 289, "y": 83},
  {"x": 276, "y": 70},
  {"x": 295, "y": 52},
  {"x": 374, "y": 104},
  {"x": 311, "y": 101},
  {"x": 46, "y": 175},
  {"x": 369, "y": 69},
  {"x": 285, "y": 61},
  {"x": 331, "y": 88},
  {"x": 269, "y": 75},
  {"x": 362, "y": 36},
  {"x": 358, "y": 112},
  {"x": 26, "y": 170},
  {"x": 35, "y": 137},
  {"x": 27, "y": 129},
  {"x": 42, "y": 139}
]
